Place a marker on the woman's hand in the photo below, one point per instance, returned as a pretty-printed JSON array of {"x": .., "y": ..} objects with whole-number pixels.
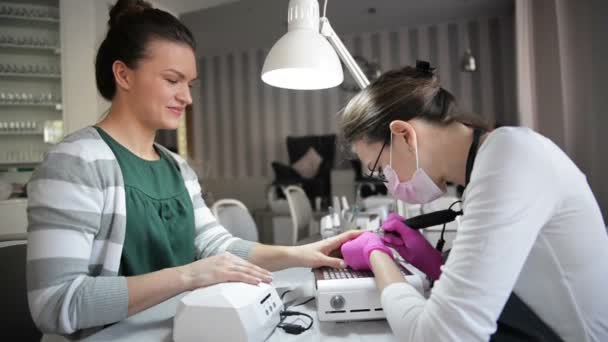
[
  {"x": 317, "y": 254},
  {"x": 222, "y": 268}
]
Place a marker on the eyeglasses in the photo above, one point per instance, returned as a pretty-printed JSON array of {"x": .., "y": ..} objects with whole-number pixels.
[{"x": 379, "y": 177}]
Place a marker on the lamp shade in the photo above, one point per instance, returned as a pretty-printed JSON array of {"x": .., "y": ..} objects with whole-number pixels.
[{"x": 302, "y": 58}]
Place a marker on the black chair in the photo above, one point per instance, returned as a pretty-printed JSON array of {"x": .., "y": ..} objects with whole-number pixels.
[
  {"x": 320, "y": 184},
  {"x": 17, "y": 323}
]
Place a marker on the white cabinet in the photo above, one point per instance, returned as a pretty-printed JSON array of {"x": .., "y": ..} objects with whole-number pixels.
[
  {"x": 13, "y": 218},
  {"x": 30, "y": 80}
]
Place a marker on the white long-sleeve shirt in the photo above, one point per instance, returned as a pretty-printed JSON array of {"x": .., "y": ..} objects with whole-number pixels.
[{"x": 531, "y": 224}]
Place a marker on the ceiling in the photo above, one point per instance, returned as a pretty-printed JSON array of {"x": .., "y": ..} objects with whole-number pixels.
[
  {"x": 185, "y": 6},
  {"x": 382, "y": 6},
  {"x": 259, "y": 23}
]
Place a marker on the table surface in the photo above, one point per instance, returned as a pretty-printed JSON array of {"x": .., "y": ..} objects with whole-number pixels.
[{"x": 156, "y": 323}]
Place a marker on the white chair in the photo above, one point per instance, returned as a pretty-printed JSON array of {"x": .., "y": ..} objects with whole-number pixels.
[
  {"x": 300, "y": 211},
  {"x": 234, "y": 216}
]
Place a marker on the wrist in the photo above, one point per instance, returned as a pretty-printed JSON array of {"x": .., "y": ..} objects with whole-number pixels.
[
  {"x": 378, "y": 248},
  {"x": 291, "y": 255},
  {"x": 184, "y": 278},
  {"x": 379, "y": 256}
]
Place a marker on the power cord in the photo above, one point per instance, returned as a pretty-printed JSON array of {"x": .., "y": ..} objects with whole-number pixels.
[
  {"x": 293, "y": 328},
  {"x": 283, "y": 295},
  {"x": 441, "y": 241},
  {"x": 304, "y": 302}
]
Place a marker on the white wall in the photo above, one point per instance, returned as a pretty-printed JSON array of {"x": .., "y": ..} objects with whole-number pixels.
[
  {"x": 83, "y": 27},
  {"x": 251, "y": 24},
  {"x": 241, "y": 123},
  {"x": 78, "y": 32}
]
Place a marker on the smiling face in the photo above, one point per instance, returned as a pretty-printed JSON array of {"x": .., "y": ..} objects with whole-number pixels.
[{"x": 158, "y": 88}]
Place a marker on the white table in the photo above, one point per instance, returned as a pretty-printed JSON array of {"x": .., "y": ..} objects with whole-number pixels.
[{"x": 156, "y": 323}]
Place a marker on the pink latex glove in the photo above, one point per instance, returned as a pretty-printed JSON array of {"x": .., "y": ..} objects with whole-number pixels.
[
  {"x": 412, "y": 246},
  {"x": 356, "y": 252}
]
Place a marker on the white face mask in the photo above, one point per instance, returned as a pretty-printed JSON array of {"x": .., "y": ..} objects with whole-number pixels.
[{"x": 418, "y": 190}]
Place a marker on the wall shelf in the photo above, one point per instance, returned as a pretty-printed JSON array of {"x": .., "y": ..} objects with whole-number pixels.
[
  {"x": 18, "y": 47},
  {"x": 18, "y": 75},
  {"x": 31, "y": 77},
  {"x": 53, "y": 105},
  {"x": 21, "y": 133},
  {"x": 29, "y": 19}
]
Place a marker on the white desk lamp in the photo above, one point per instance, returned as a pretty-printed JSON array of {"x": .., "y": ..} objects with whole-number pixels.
[{"x": 303, "y": 58}]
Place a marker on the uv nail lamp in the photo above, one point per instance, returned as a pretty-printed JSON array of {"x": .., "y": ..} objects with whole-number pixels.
[{"x": 235, "y": 312}]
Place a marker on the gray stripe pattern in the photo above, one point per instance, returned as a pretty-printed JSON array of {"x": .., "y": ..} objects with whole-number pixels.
[
  {"x": 72, "y": 169},
  {"x": 41, "y": 272},
  {"x": 63, "y": 268},
  {"x": 263, "y": 116},
  {"x": 97, "y": 309},
  {"x": 44, "y": 218}
]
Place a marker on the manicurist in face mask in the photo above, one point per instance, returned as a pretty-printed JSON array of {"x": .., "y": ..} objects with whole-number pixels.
[{"x": 530, "y": 254}]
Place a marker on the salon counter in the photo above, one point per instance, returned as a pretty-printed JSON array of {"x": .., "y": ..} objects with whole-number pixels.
[{"x": 156, "y": 323}]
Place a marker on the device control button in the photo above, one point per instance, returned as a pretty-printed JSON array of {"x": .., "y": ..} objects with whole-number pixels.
[{"x": 337, "y": 302}]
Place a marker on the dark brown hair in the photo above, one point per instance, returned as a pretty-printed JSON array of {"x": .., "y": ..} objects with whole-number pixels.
[
  {"x": 402, "y": 94},
  {"x": 132, "y": 24}
]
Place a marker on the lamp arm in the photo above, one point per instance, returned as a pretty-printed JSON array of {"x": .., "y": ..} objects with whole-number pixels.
[{"x": 328, "y": 32}]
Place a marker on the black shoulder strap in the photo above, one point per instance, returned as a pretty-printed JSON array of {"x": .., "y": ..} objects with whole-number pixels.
[
  {"x": 517, "y": 322},
  {"x": 472, "y": 154}
]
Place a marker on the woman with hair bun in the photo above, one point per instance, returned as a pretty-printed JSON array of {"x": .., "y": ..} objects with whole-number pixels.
[{"x": 117, "y": 223}]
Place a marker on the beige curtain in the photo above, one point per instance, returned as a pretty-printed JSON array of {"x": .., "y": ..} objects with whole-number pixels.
[{"x": 562, "y": 52}]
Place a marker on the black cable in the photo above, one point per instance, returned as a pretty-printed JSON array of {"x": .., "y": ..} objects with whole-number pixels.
[
  {"x": 284, "y": 293},
  {"x": 292, "y": 328},
  {"x": 304, "y": 302},
  {"x": 441, "y": 241}
]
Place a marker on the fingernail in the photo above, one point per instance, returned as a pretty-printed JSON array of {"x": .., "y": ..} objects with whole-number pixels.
[{"x": 342, "y": 264}]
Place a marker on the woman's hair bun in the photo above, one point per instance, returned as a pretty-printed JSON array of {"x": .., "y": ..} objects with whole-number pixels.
[{"x": 124, "y": 8}]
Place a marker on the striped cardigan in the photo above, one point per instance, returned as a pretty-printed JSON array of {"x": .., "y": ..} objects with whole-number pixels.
[{"x": 77, "y": 222}]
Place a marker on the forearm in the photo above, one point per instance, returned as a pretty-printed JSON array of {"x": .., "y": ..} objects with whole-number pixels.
[
  {"x": 149, "y": 289},
  {"x": 385, "y": 270},
  {"x": 273, "y": 258}
]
